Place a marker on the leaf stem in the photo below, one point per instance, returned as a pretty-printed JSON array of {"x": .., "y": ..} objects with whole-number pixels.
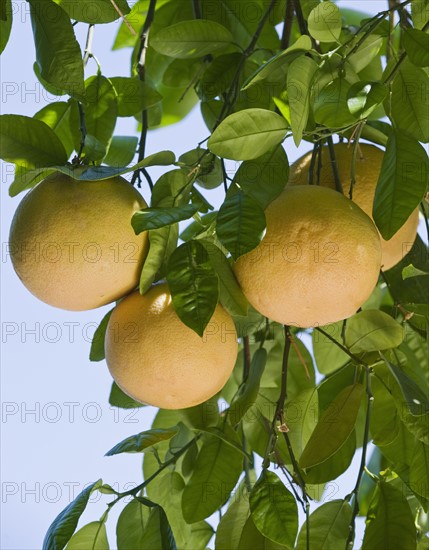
[
  {"x": 246, "y": 358},
  {"x": 354, "y": 493},
  {"x": 343, "y": 348},
  {"x": 141, "y": 70},
  {"x": 88, "y": 46},
  {"x": 172, "y": 460}
]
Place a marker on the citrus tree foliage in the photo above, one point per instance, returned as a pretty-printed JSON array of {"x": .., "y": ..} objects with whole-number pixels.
[{"x": 266, "y": 75}]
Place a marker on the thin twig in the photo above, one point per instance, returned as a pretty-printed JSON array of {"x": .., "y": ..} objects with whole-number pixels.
[
  {"x": 197, "y": 9},
  {"x": 354, "y": 155},
  {"x": 246, "y": 358},
  {"x": 88, "y": 46},
  {"x": 141, "y": 70},
  {"x": 287, "y": 25},
  {"x": 82, "y": 128},
  {"x": 346, "y": 350},
  {"x": 122, "y": 16}
]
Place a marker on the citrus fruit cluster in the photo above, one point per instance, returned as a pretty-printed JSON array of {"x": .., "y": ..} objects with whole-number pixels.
[{"x": 72, "y": 246}]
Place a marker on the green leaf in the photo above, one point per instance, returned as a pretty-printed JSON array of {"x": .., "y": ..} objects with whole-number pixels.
[
  {"x": 100, "y": 108},
  {"x": 5, "y": 23},
  {"x": 334, "y": 427},
  {"x": 416, "y": 44},
  {"x": 364, "y": 97},
  {"x": 329, "y": 357},
  {"x": 122, "y": 150},
  {"x": 274, "y": 510},
  {"x": 240, "y": 224},
  {"x": 232, "y": 523},
  {"x": 410, "y": 271},
  {"x": 131, "y": 525},
  {"x": 156, "y": 217},
  {"x": 419, "y": 470},
  {"x": 142, "y": 441},
  {"x": 57, "y": 116},
  {"x": 25, "y": 179},
  {"x": 29, "y": 142},
  {"x": 230, "y": 294},
  {"x": 372, "y": 330},
  {"x": 301, "y": 414},
  {"x": 118, "y": 398},
  {"x": 218, "y": 76},
  {"x": 216, "y": 472},
  {"x": 330, "y": 105},
  {"x": 162, "y": 243},
  {"x": 194, "y": 285},
  {"x": 276, "y": 67},
  {"x": 92, "y": 536},
  {"x": 64, "y": 525},
  {"x": 401, "y": 184},
  {"x": 324, "y": 22},
  {"x": 157, "y": 532},
  {"x": 95, "y": 12},
  {"x": 263, "y": 178},
  {"x": 58, "y": 54},
  {"x": 390, "y": 523},
  {"x": 419, "y": 13},
  {"x": 299, "y": 81},
  {"x": 415, "y": 399},
  {"x": 172, "y": 189},
  {"x": 191, "y": 39},
  {"x": 247, "y": 134},
  {"x": 249, "y": 389},
  {"x": 210, "y": 173},
  {"x": 251, "y": 537},
  {"x": 385, "y": 418},
  {"x": 97, "y": 344},
  {"x": 133, "y": 95},
  {"x": 366, "y": 52},
  {"x": 329, "y": 527},
  {"x": 408, "y": 105}
]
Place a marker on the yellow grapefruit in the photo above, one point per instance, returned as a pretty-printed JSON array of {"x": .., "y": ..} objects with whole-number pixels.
[
  {"x": 72, "y": 244},
  {"x": 318, "y": 261},
  {"x": 156, "y": 359},
  {"x": 368, "y": 165}
]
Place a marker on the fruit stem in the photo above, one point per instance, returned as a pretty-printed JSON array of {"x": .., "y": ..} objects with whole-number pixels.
[
  {"x": 358, "y": 133},
  {"x": 334, "y": 165},
  {"x": 82, "y": 128}
]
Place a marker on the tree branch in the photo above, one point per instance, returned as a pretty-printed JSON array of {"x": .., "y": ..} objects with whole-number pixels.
[
  {"x": 141, "y": 70},
  {"x": 287, "y": 25},
  {"x": 334, "y": 165}
]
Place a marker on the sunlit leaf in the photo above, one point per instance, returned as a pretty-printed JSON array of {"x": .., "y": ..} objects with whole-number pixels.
[
  {"x": 93, "y": 535},
  {"x": 372, "y": 330},
  {"x": 324, "y": 22},
  {"x": 247, "y": 134},
  {"x": 142, "y": 441},
  {"x": 416, "y": 44}
]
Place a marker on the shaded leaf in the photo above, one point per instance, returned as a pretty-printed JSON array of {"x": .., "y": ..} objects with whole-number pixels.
[
  {"x": 122, "y": 150},
  {"x": 274, "y": 510},
  {"x": 57, "y": 116},
  {"x": 401, "y": 184},
  {"x": 96, "y": 11},
  {"x": 334, "y": 427},
  {"x": 58, "y": 54},
  {"x": 118, "y": 398},
  {"x": 131, "y": 525},
  {"x": 419, "y": 470},
  {"x": 133, "y": 95},
  {"x": 414, "y": 398},
  {"x": 142, "y": 441},
  {"x": 162, "y": 243},
  {"x": 329, "y": 527},
  {"x": 329, "y": 357},
  {"x": 390, "y": 523},
  {"x": 97, "y": 344},
  {"x": 93, "y": 536},
  {"x": 5, "y": 23},
  {"x": 263, "y": 178},
  {"x": 190, "y": 39},
  {"x": 64, "y": 525},
  {"x": 416, "y": 44},
  {"x": 299, "y": 80},
  {"x": 372, "y": 330},
  {"x": 231, "y": 525},
  {"x": 408, "y": 105},
  {"x": 156, "y": 217},
  {"x": 410, "y": 271},
  {"x": 215, "y": 474},
  {"x": 247, "y": 134},
  {"x": 230, "y": 294},
  {"x": 251, "y": 537},
  {"x": 240, "y": 224},
  {"x": 193, "y": 284},
  {"x": 330, "y": 104},
  {"x": 364, "y": 97},
  {"x": 29, "y": 142}
]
